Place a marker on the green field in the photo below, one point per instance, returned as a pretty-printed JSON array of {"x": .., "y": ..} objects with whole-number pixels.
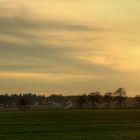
[{"x": 123, "y": 124}]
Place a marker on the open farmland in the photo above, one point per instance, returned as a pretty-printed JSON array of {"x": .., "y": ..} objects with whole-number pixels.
[{"x": 117, "y": 124}]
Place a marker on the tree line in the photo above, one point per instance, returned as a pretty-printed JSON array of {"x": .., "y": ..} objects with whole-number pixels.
[{"x": 118, "y": 98}]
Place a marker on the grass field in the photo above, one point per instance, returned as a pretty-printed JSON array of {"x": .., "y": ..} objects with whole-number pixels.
[{"x": 123, "y": 124}]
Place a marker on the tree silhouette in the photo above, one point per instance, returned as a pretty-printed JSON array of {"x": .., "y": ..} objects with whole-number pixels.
[
  {"x": 120, "y": 96},
  {"x": 22, "y": 104},
  {"x": 137, "y": 100},
  {"x": 108, "y": 98},
  {"x": 94, "y": 99},
  {"x": 81, "y": 101}
]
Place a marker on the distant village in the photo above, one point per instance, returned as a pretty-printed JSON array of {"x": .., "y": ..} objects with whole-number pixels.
[{"x": 29, "y": 101}]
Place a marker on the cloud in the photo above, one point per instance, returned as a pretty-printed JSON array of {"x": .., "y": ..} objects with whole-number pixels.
[
  {"x": 26, "y": 52},
  {"x": 13, "y": 25},
  {"x": 52, "y": 59},
  {"x": 45, "y": 44}
]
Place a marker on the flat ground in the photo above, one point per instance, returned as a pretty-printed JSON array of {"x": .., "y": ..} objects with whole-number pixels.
[{"x": 123, "y": 124}]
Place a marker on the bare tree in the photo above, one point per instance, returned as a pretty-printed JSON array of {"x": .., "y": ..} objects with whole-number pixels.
[
  {"x": 108, "y": 98},
  {"x": 81, "y": 101},
  {"x": 137, "y": 100},
  {"x": 120, "y": 96},
  {"x": 22, "y": 104},
  {"x": 94, "y": 99}
]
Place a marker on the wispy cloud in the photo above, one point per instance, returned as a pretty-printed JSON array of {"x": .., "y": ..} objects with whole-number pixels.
[{"x": 88, "y": 44}]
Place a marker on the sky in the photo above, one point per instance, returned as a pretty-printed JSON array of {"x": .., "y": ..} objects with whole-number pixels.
[{"x": 70, "y": 45}]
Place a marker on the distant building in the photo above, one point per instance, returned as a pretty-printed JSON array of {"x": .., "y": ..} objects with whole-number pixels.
[
  {"x": 36, "y": 104},
  {"x": 69, "y": 104},
  {"x": 55, "y": 104}
]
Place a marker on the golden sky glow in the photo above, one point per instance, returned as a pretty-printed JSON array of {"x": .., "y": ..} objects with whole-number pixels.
[{"x": 70, "y": 44}]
